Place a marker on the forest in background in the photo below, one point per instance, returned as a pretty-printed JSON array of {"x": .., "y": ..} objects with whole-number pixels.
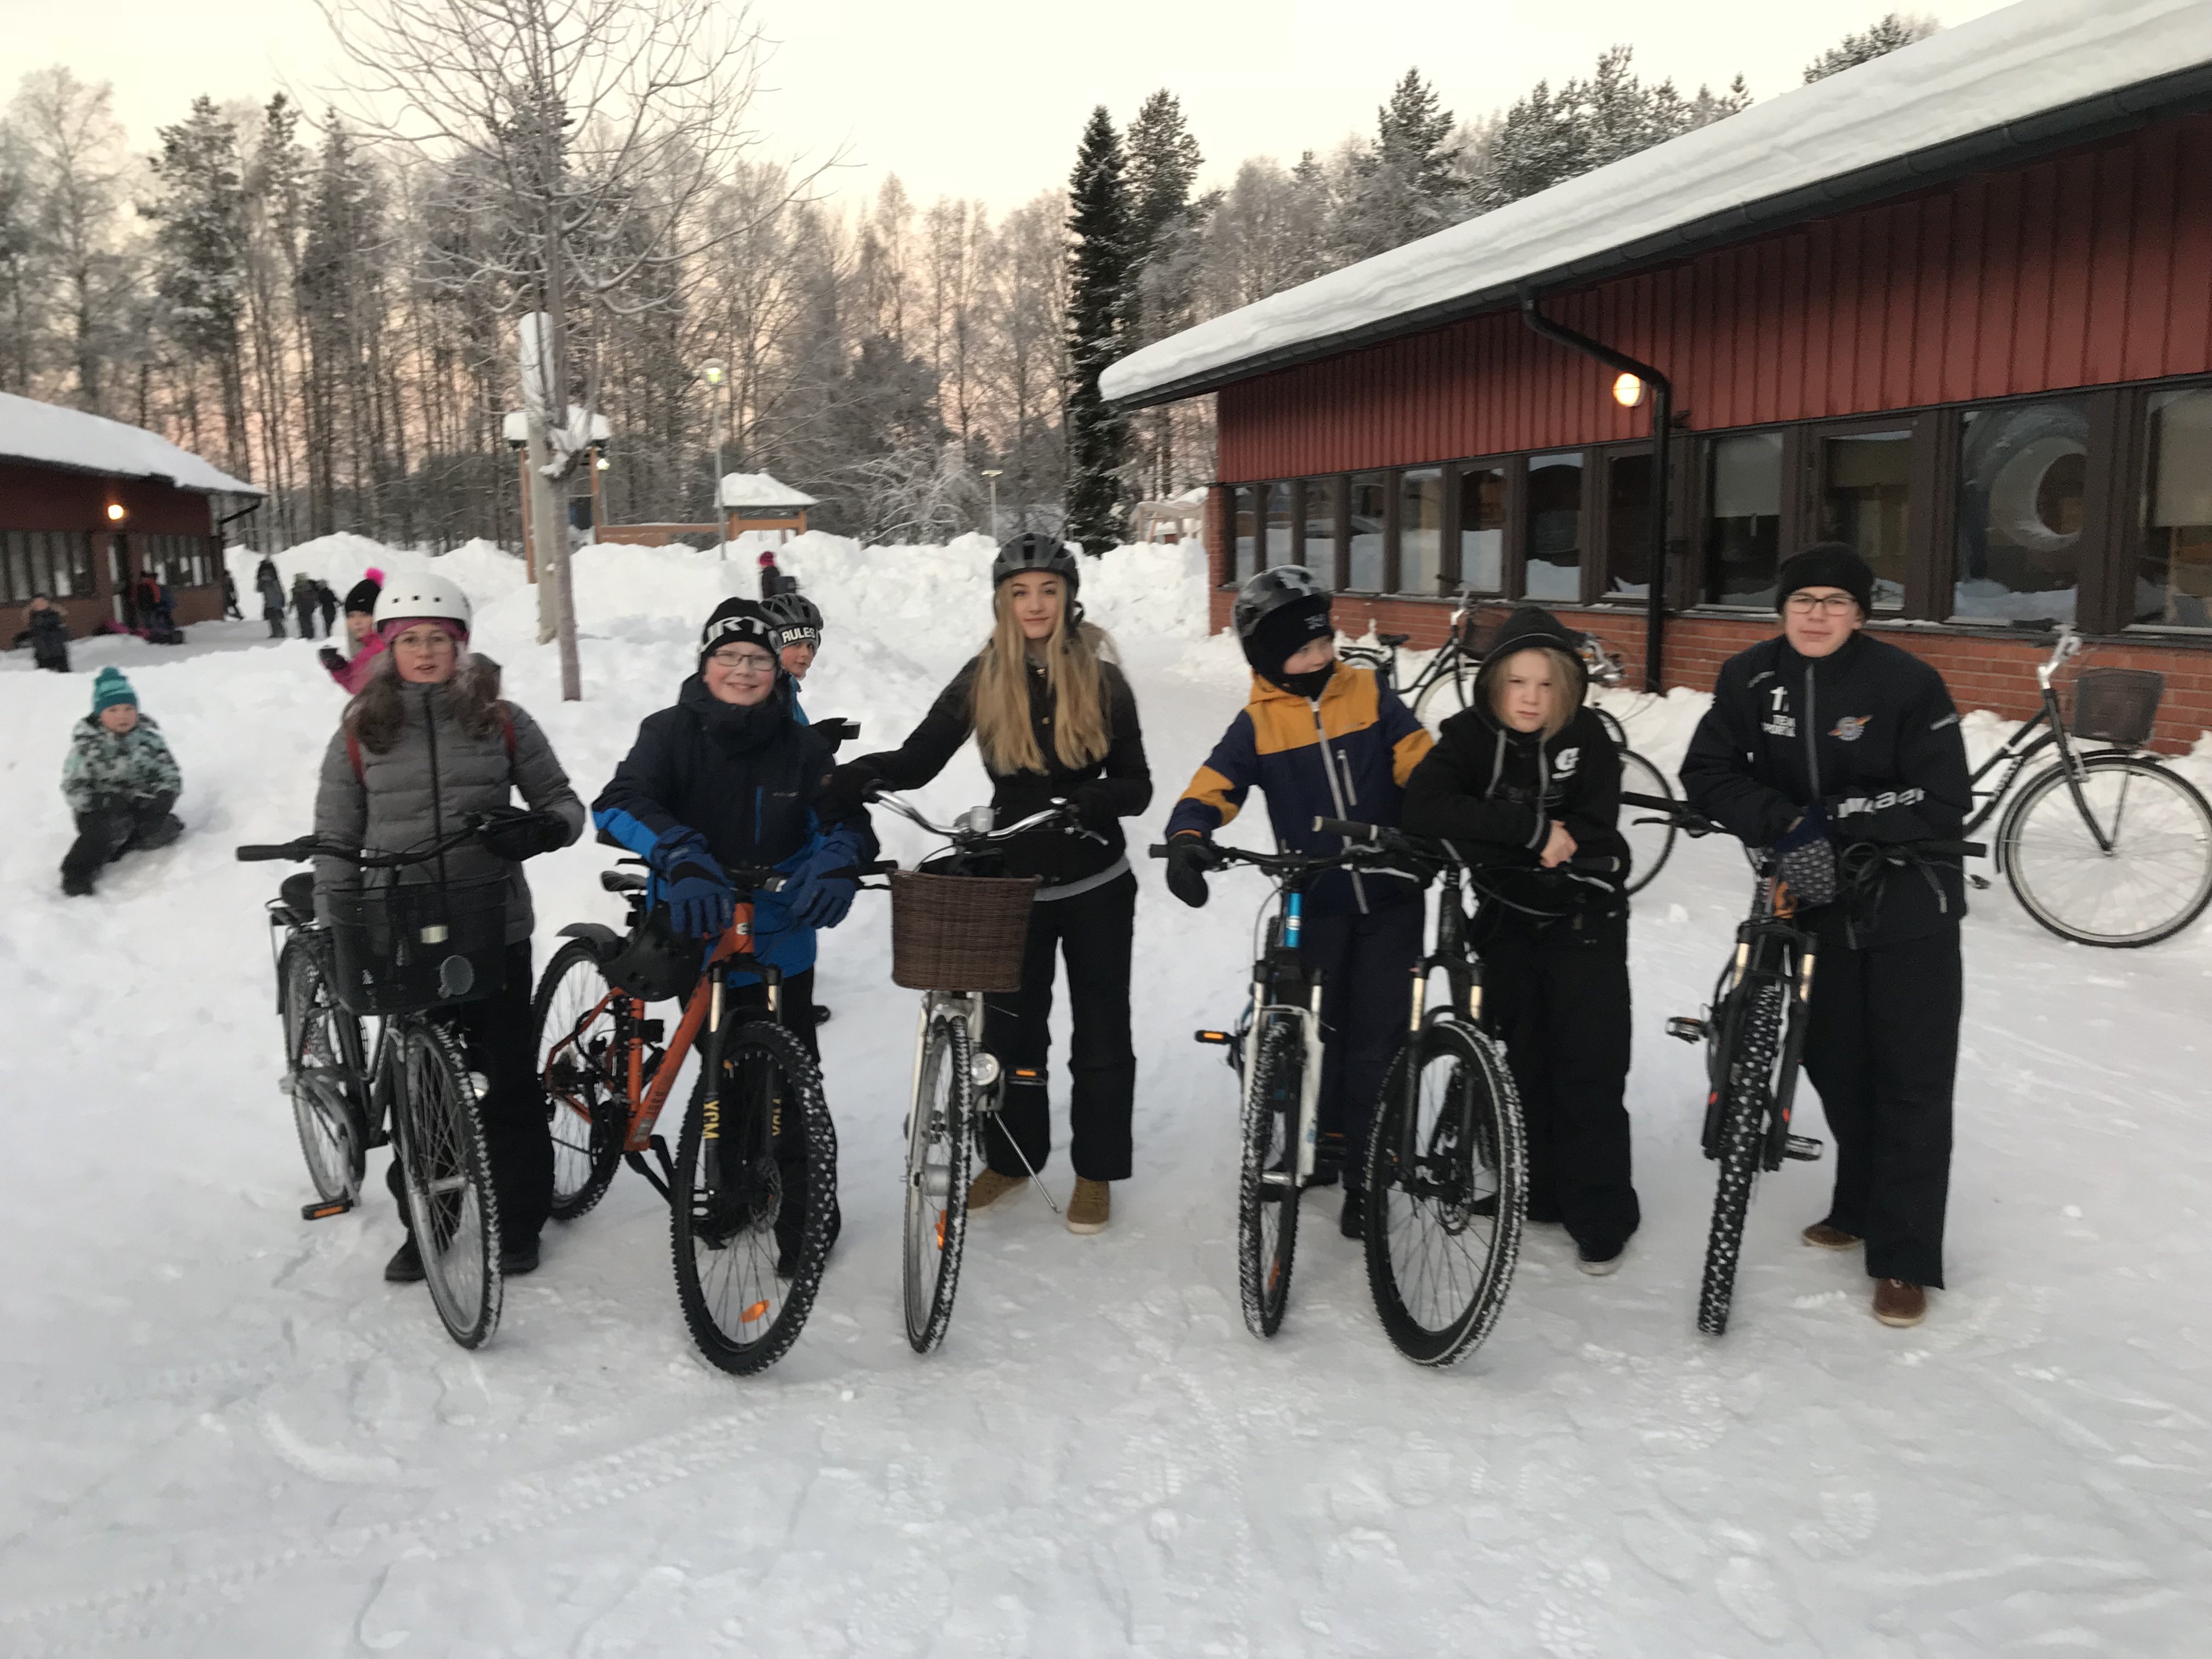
[{"x": 324, "y": 304}]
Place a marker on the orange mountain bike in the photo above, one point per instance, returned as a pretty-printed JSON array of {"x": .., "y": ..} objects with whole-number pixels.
[{"x": 756, "y": 1142}]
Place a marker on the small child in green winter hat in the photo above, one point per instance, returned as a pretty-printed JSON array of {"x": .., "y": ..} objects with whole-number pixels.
[{"x": 119, "y": 780}]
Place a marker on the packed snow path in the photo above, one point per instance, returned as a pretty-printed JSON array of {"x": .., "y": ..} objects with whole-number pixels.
[{"x": 226, "y": 1436}]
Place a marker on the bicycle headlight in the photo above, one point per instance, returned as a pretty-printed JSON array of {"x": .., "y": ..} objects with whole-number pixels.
[{"x": 983, "y": 1071}]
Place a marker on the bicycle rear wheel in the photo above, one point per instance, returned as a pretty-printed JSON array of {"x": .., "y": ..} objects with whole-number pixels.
[
  {"x": 580, "y": 1059},
  {"x": 1448, "y": 694},
  {"x": 1267, "y": 1183},
  {"x": 940, "y": 1143},
  {"x": 1443, "y": 1228},
  {"x": 751, "y": 1205},
  {"x": 448, "y": 1181},
  {"x": 322, "y": 1072},
  {"x": 1743, "y": 1077},
  {"x": 2154, "y": 881},
  {"x": 1649, "y": 844}
]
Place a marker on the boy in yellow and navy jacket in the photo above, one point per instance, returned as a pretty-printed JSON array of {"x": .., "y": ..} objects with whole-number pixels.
[{"x": 1323, "y": 738}]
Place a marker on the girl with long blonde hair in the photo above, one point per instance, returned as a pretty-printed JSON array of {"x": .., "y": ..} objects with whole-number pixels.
[{"x": 1055, "y": 721}]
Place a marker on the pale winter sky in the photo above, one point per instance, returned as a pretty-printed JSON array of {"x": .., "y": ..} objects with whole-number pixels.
[{"x": 985, "y": 98}]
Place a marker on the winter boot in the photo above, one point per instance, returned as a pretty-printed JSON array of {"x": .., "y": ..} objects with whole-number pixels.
[
  {"x": 989, "y": 1187},
  {"x": 1896, "y": 1303},
  {"x": 162, "y": 832},
  {"x": 405, "y": 1267},
  {"x": 77, "y": 885},
  {"x": 1600, "y": 1260},
  {"x": 1351, "y": 1219},
  {"x": 1822, "y": 1236},
  {"x": 517, "y": 1259},
  {"x": 1088, "y": 1206}
]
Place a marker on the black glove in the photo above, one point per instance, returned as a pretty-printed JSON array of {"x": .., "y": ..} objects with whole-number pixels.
[
  {"x": 330, "y": 659},
  {"x": 1190, "y": 857},
  {"x": 1094, "y": 807},
  {"x": 512, "y": 833},
  {"x": 845, "y": 792}
]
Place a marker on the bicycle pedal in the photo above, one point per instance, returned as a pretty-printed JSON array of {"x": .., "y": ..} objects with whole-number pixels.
[
  {"x": 1806, "y": 1149},
  {"x": 1686, "y": 1029},
  {"x": 1218, "y": 1039},
  {"x": 480, "y": 1084},
  {"x": 284, "y": 1085},
  {"x": 1980, "y": 883},
  {"x": 324, "y": 1211}
]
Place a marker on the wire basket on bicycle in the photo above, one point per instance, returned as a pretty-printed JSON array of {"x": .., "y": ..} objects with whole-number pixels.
[
  {"x": 959, "y": 933},
  {"x": 407, "y": 948},
  {"x": 2117, "y": 706}
]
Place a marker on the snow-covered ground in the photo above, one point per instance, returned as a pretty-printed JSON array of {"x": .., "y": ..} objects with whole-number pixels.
[{"x": 225, "y": 1436}]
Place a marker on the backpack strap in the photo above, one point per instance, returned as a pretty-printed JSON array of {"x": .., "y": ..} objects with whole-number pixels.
[{"x": 507, "y": 728}]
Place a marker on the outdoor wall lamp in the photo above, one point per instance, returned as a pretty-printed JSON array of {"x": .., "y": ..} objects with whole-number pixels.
[{"x": 1627, "y": 391}]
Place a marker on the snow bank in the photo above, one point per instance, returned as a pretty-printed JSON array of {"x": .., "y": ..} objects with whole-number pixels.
[{"x": 483, "y": 569}]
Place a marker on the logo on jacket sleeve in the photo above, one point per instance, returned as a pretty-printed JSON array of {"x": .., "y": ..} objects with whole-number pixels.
[
  {"x": 1851, "y": 728},
  {"x": 1563, "y": 763}
]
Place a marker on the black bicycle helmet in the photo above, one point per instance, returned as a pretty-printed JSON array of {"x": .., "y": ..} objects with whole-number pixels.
[
  {"x": 798, "y": 619},
  {"x": 1035, "y": 550},
  {"x": 1263, "y": 595}
]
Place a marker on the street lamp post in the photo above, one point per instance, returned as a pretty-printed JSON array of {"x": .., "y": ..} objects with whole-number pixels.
[
  {"x": 994, "y": 473},
  {"x": 713, "y": 372}
]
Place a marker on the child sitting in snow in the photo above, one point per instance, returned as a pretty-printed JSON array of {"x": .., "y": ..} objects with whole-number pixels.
[
  {"x": 120, "y": 780},
  {"x": 363, "y": 642}
]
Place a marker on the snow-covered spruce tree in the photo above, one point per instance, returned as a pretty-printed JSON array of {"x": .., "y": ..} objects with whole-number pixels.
[
  {"x": 1164, "y": 224},
  {"x": 199, "y": 265},
  {"x": 342, "y": 304},
  {"x": 1897, "y": 29},
  {"x": 1405, "y": 184},
  {"x": 1547, "y": 138},
  {"x": 1098, "y": 270}
]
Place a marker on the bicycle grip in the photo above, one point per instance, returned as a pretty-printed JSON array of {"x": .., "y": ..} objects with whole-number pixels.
[
  {"x": 286, "y": 853},
  {"x": 1350, "y": 832},
  {"x": 1159, "y": 851},
  {"x": 1596, "y": 864}
]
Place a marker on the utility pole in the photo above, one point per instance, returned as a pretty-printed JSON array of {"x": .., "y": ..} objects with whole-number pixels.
[
  {"x": 994, "y": 473},
  {"x": 712, "y": 372}
]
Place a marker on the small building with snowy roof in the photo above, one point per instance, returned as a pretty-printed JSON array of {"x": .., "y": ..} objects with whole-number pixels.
[
  {"x": 1950, "y": 305},
  {"x": 754, "y": 500},
  {"x": 88, "y": 506}
]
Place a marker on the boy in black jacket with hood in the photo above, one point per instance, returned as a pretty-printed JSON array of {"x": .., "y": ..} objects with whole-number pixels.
[
  {"x": 1826, "y": 739},
  {"x": 1525, "y": 779}
]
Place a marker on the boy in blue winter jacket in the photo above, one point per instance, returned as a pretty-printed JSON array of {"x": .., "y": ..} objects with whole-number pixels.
[{"x": 1322, "y": 739}]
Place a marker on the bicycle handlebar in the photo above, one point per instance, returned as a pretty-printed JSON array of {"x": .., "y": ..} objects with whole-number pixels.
[
  {"x": 1397, "y": 841},
  {"x": 1282, "y": 864},
  {"x": 1683, "y": 815},
  {"x": 315, "y": 847},
  {"x": 1059, "y": 814}
]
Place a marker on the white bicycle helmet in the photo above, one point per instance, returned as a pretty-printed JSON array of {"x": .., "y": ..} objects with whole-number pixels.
[{"x": 418, "y": 594}]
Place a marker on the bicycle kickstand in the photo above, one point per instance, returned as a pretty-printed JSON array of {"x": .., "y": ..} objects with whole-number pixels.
[{"x": 1036, "y": 1180}]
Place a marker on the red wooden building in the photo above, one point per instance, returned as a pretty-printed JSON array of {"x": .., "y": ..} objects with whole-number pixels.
[
  {"x": 1953, "y": 306},
  {"x": 88, "y": 505}
]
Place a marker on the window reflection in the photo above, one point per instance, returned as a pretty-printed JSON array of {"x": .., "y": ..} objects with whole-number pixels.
[
  {"x": 1244, "y": 538},
  {"x": 1322, "y": 496},
  {"x": 1555, "y": 527},
  {"x": 1866, "y": 500},
  {"x": 1421, "y": 530},
  {"x": 1743, "y": 519},
  {"x": 2023, "y": 474},
  {"x": 1482, "y": 529},
  {"x": 2173, "y": 560},
  {"x": 1628, "y": 525},
  {"x": 1370, "y": 517},
  {"x": 1281, "y": 538}
]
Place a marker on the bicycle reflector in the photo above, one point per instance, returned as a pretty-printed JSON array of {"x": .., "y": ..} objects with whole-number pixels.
[{"x": 1219, "y": 1039}]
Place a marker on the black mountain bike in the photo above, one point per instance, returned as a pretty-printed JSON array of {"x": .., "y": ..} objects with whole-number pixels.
[
  {"x": 1755, "y": 1036},
  {"x": 406, "y": 953}
]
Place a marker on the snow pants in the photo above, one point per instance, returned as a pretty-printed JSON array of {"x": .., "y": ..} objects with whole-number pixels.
[
  {"x": 1092, "y": 933},
  {"x": 274, "y": 616},
  {"x": 104, "y": 836},
  {"x": 1557, "y": 995},
  {"x": 499, "y": 1039},
  {"x": 1366, "y": 964},
  {"x": 1882, "y": 1049},
  {"x": 751, "y": 1002}
]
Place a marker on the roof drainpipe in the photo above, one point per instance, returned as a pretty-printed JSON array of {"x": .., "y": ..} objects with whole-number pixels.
[{"x": 1662, "y": 392}]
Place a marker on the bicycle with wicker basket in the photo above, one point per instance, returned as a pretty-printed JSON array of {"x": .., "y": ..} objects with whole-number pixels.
[
  {"x": 2108, "y": 845},
  {"x": 959, "y": 930}
]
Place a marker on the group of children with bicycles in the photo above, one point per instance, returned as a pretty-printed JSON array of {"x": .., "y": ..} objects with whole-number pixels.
[{"x": 1525, "y": 780}]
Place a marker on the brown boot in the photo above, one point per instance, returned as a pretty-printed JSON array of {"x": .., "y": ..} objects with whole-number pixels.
[
  {"x": 989, "y": 1187},
  {"x": 1821, "y": 1236},
  {"x": 1896, "y": 1303},
  {"x": 1088, "y": 1206}
]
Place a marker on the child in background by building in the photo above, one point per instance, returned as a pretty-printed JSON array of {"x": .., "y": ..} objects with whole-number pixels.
[
  {"x": 326, "y": 602},
  {"x": 120, "y": 780},
  {"x": 45, "y": 630},
  {"x": 270, "y": 587},
  {"x": 303, "y": 604},
  {"x": 363, "y": 642}
]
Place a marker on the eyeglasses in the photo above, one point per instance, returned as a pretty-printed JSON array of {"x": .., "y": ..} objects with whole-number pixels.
[
  {"x": 1828, "y": 604},
  {"x": 743, "y": 660}
]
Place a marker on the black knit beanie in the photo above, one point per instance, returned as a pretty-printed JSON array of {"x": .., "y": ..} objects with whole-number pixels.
[
  {"x": 1827, "y": 564},
  {"x": 737, "y": 622},
  {"x": 1282, "y": 633},
  {"x": 362, "y": 597}
]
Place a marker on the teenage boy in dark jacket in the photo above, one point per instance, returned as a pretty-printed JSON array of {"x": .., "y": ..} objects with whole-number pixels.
[
  {"x": 1524, "y": 780},
  {"x": 1321, "y": 738},
  {"x": 1818, "y": 740}
]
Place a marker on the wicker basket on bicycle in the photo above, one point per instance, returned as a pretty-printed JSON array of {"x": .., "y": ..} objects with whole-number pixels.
[
  {"x": 2117, "y": 705},
  {"x": 413, "y": 947},
  {"x": 959, "y": 933}
]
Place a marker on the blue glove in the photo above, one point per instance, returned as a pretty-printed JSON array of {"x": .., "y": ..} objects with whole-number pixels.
[
  {"x": 701, "y": 900},
  {"x": 816, "y": 898},
  {"x": 1805, "y": 857}
]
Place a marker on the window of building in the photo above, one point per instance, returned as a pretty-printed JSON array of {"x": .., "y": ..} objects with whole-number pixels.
[
  {"x": 1482, "y": 529},
  {"x": 1244, "y": 533},
  {"x": 1743, "y": 519},
  {"x": 2173, "y": 554},
  {"x": 55, "y": 563},
  {"x": 1421, "y": 532},
  {"x": 1555, "y": 527},
  {"x": 1370, "y": 517},
  {"x": 1866, "y": 500},
  {"x": 1323, "y": 496},
  {"x": 2023, "y": 479},
  {"x": 1282, "y": 531},
  {"x": 1628, "y": 527}
]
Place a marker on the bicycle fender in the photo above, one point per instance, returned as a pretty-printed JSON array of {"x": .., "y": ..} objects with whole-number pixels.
[{"x": 602, "y": 940}]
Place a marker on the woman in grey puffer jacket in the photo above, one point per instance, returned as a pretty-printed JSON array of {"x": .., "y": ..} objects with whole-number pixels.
[{"x": 426, "y": 742}]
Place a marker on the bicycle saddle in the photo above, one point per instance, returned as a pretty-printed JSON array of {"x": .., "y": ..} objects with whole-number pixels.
[
  {"x": 622, "y": 881},
  {"x": 1392, "y": 639},
  {"x": 298, "y": 893}
]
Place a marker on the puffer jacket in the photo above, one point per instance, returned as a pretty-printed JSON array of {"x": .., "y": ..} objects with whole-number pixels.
[
  {"x": 136, "y": 765},
  {"x": 1346, "y": 754},
  {"x": 434, "y": 774}
]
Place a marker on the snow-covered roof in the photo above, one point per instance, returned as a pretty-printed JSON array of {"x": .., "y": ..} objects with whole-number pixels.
[
  {"x": 47, "y": 434},
  {"x": 758, "y": 490},
  {"x": 2037, "y": 74},
  {"x": 514, "y": 426}
]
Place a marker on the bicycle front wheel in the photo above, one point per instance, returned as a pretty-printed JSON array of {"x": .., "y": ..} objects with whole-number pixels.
[
  {"x": 448, "y": 1181},
  {"x": 939, "y": 1142},
  {"x": 2153, "y": 879},
  {"x": 581, "y": 1060},
  {"x": 1267, "y": 1183},
  {"x": 1649, "y": 844},
  {"x": 321, "y": 1075},
  {"x": 1743, "y": 1073},
  {"x": 1446, "y": 695},
  {"x": 1447, "y": 1184},
  {"x": 751, "y": 1207}
]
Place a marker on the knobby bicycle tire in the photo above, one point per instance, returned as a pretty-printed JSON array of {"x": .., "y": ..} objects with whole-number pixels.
[
  {"x": 448, "y": 1183},
  {"x": 333, "y": 1136},
  {"x": 1639, "y": 776},
  {"x": 1744, "y": 1073},
  {"x": 1476, "y": 1129},
  {"x": 941, "y": 1121},
  {"x": 1446, "y": 695},
  {"x": 730, "y": 1219},
  {"x": 587, "y": 1085},
  {"x": 1264, "y": 1252},
  {"x": 2046, "y": 807}
]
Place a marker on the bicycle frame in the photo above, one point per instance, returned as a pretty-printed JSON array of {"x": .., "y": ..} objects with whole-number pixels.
[
  {"x": 2014, "y": 753},
  {"x": 1462, "y": 973},
  {"x": 1277, "y": 976}
]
